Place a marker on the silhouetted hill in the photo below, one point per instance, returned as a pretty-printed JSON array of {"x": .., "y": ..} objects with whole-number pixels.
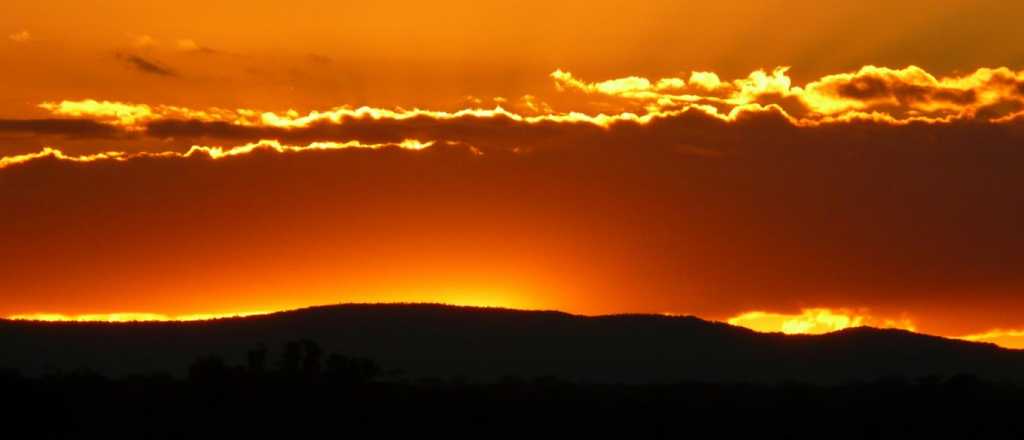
[{"x": 487, "y": 344}]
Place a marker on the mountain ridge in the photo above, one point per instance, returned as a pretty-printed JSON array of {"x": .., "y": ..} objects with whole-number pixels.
[{"x": 486, "y": 344}]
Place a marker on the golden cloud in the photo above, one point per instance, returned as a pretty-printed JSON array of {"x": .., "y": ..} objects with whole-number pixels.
[
  {"x": 134, "y": 116},
  {"x": 1001, "y": 337},
  {"x": 816, "y": 321},
  {"x": 212, "y": 152},
  {"x": 871, "y": 94}
]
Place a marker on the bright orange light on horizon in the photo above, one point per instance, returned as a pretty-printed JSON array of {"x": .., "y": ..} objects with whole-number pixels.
[
  {"x": 1002, "y": 338},
  {"x": 811, "y": 321},
  {"x": 495, "y": 299},
  {"x": 816, "y": 321},
  {"x": 128, "y": 317}
]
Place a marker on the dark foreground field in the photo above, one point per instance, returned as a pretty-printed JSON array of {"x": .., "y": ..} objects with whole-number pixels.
[
  {"x": 218, "y": 402},
  {"x": 417, "y": 371}
]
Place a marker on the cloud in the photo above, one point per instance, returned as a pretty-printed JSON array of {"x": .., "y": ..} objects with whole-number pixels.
[
  {"x": 20, "y": 37},
  {"x": 133, "y": 117},
  {"x": 629, "y": 86},
  {"x": 146, "y": 66},
  {"x": 912, "y": 91},
  {"x": 872, "y": 94},
  {"x": 1001, "y": 337},
  {"x": 826, "y": 320},
  {"x": 7, "y": 161},
  {"x": 213, "y": 152},
  {"x": 62, "y": 127},
  {"x": 816, "y": 321},
  {"x": 895, "y": 95},
  {"x": 144, "y": 41},
  {"x": 730, "y": 202},
  {"x": 187, "y": 45}
]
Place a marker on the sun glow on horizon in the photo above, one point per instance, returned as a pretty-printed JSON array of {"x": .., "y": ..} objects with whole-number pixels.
[
  {"x": 475, "y": 300},
  {"x": 811, "y": 321},
  {"x": 1003, "y": 338},
  {"x": 815, "y": 321},
  {"x": 129, "y": 317}
]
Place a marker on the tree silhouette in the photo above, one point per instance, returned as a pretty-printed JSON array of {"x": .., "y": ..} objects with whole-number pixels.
[
  {"x": 256, "y": 360},
  {"x": 312, "y": 358},
  {"x": 209, "y": 370},
  {"x": 346, "y": 369},
  {"x": 291, "y": 358}
]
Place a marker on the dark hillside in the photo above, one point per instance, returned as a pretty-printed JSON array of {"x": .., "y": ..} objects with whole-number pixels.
[{"x": 487, "y": 344}]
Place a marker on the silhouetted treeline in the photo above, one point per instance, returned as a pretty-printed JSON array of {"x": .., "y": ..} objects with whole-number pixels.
[
  {"x": 299, "y": 390},
  {"x": 301, "y": 360}
]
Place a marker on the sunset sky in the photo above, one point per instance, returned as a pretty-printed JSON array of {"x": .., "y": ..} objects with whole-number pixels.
[{"x": 797, "y": 166}]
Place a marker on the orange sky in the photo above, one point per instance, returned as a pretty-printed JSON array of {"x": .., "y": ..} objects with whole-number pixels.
[{"x": 789, "y": 166}]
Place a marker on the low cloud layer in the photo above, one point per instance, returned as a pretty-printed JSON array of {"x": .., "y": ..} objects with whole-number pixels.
[
  {"x": 632, "y": 106},
  {"x": 145, "y": 65},
  {"x": 871, "y": 93}
]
